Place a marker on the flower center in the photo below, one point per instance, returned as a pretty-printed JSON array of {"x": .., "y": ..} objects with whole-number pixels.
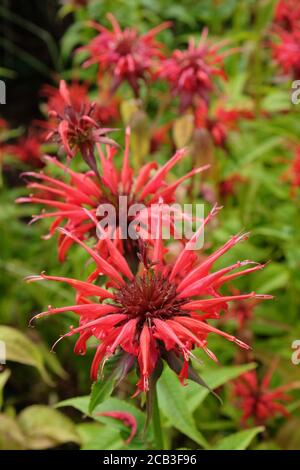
[{"x": 149, "y": 296}]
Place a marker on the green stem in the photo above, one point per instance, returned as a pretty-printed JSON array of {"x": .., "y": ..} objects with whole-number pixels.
[{"x": 158, "y": 436}]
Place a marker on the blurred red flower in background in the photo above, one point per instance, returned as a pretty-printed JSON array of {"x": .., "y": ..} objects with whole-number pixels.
[
  {"x": 228, "y": 186},
  {"x": 287, "y": 51},
  {"x": 287, "y": 14},
  {"x": 28, "y": 150},
  {"x": 221, "y": 122},
  {"x": 258, "y": 400},
  {"x": 125, "y": 55},
  {"x": 191, "y": 72},
  {"x": 292, "y": 174},
  {"x": 161, "y": 312}
]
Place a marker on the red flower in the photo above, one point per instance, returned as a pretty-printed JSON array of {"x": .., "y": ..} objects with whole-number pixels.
[
  {"x": 76, "y": 127},
  {"x": 190, "y": 73},
  {"x": 126, "y": 55},
  {"x": 105, "y": 108},
  {"x": 287, "y": 14},
  {"x": 292, "y": 175},
  {"x": 221, "y": 122},
  {"x": 227, "y": 187},
  {"x": 258, "y": 400},
  {"x": 287, "y": 51},
  {"x": 159, "y": 313},
  {"x": 28, "y": 150},
  {"x": 83, "y": 190}
]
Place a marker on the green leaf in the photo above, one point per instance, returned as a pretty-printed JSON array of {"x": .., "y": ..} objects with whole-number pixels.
[
  {"x": 194, "y": 395},
  {"x": 11, "y": 436},
  {"x": 101, "y": 390},
  {"x": 239, "y": 440},
  {"x": 261, "y": 150},
  {"x": 4, "y": 376},
  {"x": 79, "y": 403},
  {"x": 95, "y": 436},
  {"x": 46, "y": 427},
  {"x": 21, "y": 349},
  {"x": 173, "y": 403}
]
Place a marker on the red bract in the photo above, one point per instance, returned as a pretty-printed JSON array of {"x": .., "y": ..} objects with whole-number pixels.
[
  {"x": 258, "y": 400},
  {"x": 76, "y": 126},
  {"x": 127, "y": 418},
  {"x": 81, "y": 191},
  {"x": 159, "y": 313},
  {"x": 126, "y": 55},
  {"x": 191, "y": 73}
]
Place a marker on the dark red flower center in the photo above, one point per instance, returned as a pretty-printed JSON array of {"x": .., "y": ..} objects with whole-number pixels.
[
  {"x": 149, "y": 296},
  {"x": 126, "y": 44}
]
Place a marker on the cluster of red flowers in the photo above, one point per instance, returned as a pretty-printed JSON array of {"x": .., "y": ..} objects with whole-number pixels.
[
  {"x": 151, "y": 312},
  {"x": 88, "y": 191},
  {"x": 286, "y": 50},
  {"x": 129, "y": 57},
  {"x": 139, "y": 303}
]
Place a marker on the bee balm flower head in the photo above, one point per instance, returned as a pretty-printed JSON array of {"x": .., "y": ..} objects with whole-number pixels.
[
  {"x": 125, "y": 54},
  {"x": 160, "y": 313},
  {"x": 191, "y": 72}
]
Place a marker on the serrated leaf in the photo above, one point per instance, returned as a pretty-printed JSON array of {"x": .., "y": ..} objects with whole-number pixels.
[{"x": 239, "y": 440}]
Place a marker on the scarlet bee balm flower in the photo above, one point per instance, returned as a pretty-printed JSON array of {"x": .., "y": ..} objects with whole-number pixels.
[
  {"x": 191, "y": 72},
  {"x": 77, "y": 127},
  {"x": 126, "y": 55},
  {"x": 159, "y": 313},
  {"x": 258, "y": 400},
  {"x": 85, "y": 190}
]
